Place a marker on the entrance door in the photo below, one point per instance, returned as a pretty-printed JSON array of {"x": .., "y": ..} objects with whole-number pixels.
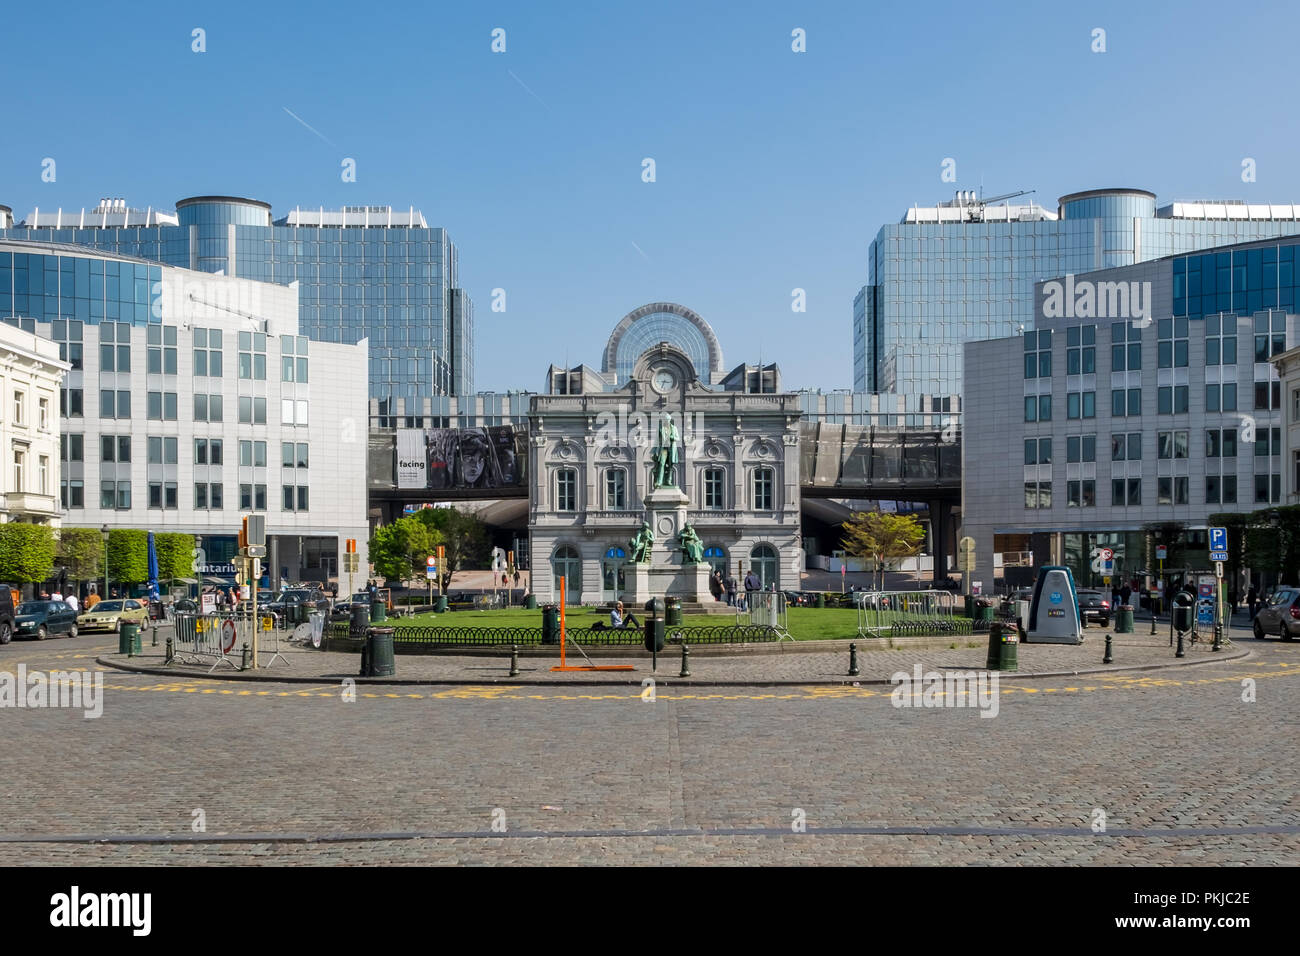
[{"x": 613, "y": 585}]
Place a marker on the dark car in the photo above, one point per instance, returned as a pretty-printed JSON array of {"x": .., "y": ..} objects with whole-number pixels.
[
  {"x": 342, "y": 610},
  {"x": 40, "y": 619},
  {"x": 290, "y": 598},
  {"x": 1093, "y": 607},
  {"x": 6, "y": 614},
  {"x": 1280, "y": 616}
]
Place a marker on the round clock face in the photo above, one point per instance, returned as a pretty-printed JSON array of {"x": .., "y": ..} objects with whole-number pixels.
[{"x": 663, "y": 380}]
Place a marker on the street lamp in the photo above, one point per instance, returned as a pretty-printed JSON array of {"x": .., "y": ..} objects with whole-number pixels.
[{"x": 104, "y": 532}]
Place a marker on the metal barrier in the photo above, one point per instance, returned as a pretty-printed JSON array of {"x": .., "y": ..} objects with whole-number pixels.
[
  {"x": 909, "y": 613},
  {"x": 764, "y": 609},
  {"x": 201, "y": 638},
  {"x": 740, "y": 633}
]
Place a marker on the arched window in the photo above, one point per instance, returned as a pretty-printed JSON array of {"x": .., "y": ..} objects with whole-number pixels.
[
  {"x": 716, "y": 555},
  {"x": 763, "y": 560},
  {"x": 567, "y": 565},
  {"x": 715, "y": 488},
  {"x": 764, "y": 489},
  {"x": 566, "y": 490}
]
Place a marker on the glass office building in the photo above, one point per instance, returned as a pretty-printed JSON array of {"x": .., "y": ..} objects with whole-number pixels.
[
  {"x": 363, "y": 272},
  {"x": 964, "y": 270}
]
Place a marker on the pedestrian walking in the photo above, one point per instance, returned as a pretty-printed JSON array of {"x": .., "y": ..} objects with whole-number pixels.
[
  {"x": 1252, "y": 601},
  {"x": 1125, "y": 593},
  {"x": 730, "y": 586},
  {"x": 715, "y": 585}
]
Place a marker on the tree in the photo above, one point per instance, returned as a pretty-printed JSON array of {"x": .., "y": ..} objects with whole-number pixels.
[
  {"x": 175, "y": 555},
  {"x": 26, "y": 552},
  {"x": 464, "y": 539},
  {"x": 128, "y": 556},
  {"x": 1172, "y": 535},
  {"x": 1273, "y": 542},
  {"x": 398, "y": 551},
  {"x": 881, "y": 537},
  {"x": 81, "y": 551}
]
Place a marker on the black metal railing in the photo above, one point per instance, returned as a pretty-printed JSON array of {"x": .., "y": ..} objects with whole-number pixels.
[{"x": 585, "y": 636}]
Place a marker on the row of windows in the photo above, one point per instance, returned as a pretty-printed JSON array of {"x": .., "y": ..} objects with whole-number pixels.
[
  {"x": 1174, "y": 490},
  {"x": 20, "y": 473},
  {"x": 20, "y": 410},
  {"x": 1170, "y": 445},
  {"x": 1170, "y": 400},
  {"x": 566, "y": 488},
  {"x": 163, "y": 451},
  {"x": 165, "y": 495}
]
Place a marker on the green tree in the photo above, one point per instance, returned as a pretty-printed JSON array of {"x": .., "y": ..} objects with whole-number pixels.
[
  {"x": 880, "y": 537},
  {"x": 128, "y": 556},
  {"x": 398, "y": 550},
  {"x": 1172, "y": 534},
  {"x": 175, "y": 555},
  {"x": 26, "y": 552},
  {"x": 81, "y": 551},
  {"x": 464, "y": 540},
  {"x": 1273, "y": 542}
]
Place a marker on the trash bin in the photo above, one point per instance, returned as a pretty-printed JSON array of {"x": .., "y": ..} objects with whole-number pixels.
[
  {"x": 377, "y": 656},
  {"x": 984, "y": 610},
  {"x": 550, "y": 624},
  {"x": 1003, "y": 640},
  {"x": 654, "y": 625},
  {"x": 821, "y": 599},
  {"x": 531, "y": 602},
  {"x": 128, "y": 638},
  {"x": 969, "y": 603},
  {"x": 1124, "y": 619},
  {"x": 360, "y": 619},
  {"x": 1183, "y": 609},
  {"x": 672, "y": 611},
  {"x": 378, "y": 612},
  {"x": 441, "y": 606}
]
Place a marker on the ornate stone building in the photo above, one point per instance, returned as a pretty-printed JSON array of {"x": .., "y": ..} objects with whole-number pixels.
[{"x": 593, "y": 434}]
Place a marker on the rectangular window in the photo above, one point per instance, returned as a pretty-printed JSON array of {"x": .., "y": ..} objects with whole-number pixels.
[
  {"x": 615, "y": 489},
  {"x": 1080, "y": 448},
  {"x": 764, "y": 496},
  {"x": 1038, "y": 494},
  {"x": 1081, "y": 352},
  {"x": 43, "y": 414},
  {"x": 1038, "y": 354},
  {"x": 200, "y": 451},
  {"x": 713, "y": 488},
  {"x": 1125, "y": 348},
  {"x": 566, "y": 490},
  {"x": 245, "y": 410},
  {"x": 287, "y": 493},
  {"x": 286, "y": 454},
  {"x": 302, "y": 454},
  {"x": 302, "y": 497}
]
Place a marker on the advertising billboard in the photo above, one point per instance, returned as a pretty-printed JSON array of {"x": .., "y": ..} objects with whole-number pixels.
[{"x": 454, "y": 458}]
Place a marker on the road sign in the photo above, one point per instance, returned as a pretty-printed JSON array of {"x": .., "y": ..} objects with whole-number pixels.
[
  {"x": 1218, "y": 544},
  {"x": 430, "y": 571},
  {"x": 227, "y": 635},
  {"x": 1162, "y": 552},
  {"x": 1218, "y": 569}
]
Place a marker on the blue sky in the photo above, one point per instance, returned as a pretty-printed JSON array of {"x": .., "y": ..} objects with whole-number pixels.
[{"x": 774, "y": 169}]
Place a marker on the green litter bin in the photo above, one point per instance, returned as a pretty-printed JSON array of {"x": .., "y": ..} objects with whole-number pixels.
[
  {"x": 984, "y": 611},
  {"x": 128, "y": 638},
  {"x": 1124, "y": 619},
  {"x": 377, "y": 656},
  {"x": 1003, "y": 640},
  {"x": 378, "y": 611},
  {"x": 672, "y": 611},
  {"x": 821, "y": 599},
  {"x": 550, "y": 624},
  {"x": 441, "y": 606},
  {"x": 531, "y": 602}
]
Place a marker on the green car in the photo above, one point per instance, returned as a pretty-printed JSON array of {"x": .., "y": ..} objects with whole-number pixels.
[{"x": 40, "y": 619}]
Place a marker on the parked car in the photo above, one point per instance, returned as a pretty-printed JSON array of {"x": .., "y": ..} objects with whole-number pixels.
[
  {"x": 1280, "y": 616},
  {"x": 109, "y": 615},
  {"x": 40, "y": 619},
  {"x": 1093, "y": 607},
  {"x": 281, "y": 604},
  {"x": 342, "y": 610},
  {"x": 6, "y": 614}
]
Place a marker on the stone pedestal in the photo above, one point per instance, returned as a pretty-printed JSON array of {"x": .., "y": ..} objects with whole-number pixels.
[{"x": 666, "y": 574}]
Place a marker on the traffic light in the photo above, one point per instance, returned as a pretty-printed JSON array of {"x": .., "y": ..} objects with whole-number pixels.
[
  {"x": 440, "y": 555},
  {"x": 243, "y": 536}
]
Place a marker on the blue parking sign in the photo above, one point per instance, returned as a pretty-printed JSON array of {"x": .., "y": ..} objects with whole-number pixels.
[{"x": 1218, "y": 544}]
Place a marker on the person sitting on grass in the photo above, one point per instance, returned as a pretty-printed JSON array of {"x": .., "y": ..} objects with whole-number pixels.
[{"x": 617, "y": 619}]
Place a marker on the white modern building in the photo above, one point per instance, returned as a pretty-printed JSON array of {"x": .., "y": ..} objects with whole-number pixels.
[
  {"x": 30, "y": 376},
  {"x": 1288, "y": 368},
  {"x": 189, "y": 400}
]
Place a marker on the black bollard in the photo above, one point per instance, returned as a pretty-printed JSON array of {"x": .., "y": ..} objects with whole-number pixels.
[
  {"x": 1218, "y": 638},
  {"x": 171, "y": 651},
  {"x": 854, "y": 670},
  {"x": 1109, "y": 658},
  {"x": 243, "y": 663},
  {"x": 686, "y": 662},
  {"x": 1180, "y": 652},
  {"x": 514, "y": 660}
]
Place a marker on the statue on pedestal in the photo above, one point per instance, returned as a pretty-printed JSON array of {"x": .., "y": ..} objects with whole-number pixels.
[
  {"x": 690, "y": 545},
  {"x": 639, "y": 546},
  {"x": 665, "y": 455}
]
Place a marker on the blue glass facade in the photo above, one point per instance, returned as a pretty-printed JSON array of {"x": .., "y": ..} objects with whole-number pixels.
[
  {"x": 1242, "y": 281},
  {"x": 47, "y": 288},
  {"x": 395, "y": 286},
  {"x": 934, "y": 285}
]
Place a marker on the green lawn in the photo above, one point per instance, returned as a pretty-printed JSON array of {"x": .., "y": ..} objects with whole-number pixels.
[{"x": 805, "y": 623}]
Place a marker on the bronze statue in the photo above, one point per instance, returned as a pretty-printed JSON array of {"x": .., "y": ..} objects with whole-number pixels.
[
  {"x": 690, "y": 545},
  {"x": 666, "y": 454},
  {"x": 639, "y": 546}
]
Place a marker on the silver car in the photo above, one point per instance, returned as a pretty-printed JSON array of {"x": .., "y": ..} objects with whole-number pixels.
[{"x": 1280, "y": 616}]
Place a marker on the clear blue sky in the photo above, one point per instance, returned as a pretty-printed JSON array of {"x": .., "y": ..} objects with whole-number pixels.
[{"x": 774, "y": 169}]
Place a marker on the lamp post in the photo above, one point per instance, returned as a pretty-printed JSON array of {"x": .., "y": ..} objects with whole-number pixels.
[{"x": 104, "y": 532}]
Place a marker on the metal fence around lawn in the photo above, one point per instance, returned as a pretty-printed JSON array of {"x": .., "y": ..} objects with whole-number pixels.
[{"x": 583, "y": 636}]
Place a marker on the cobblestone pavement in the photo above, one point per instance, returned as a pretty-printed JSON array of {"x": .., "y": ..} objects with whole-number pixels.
[
  {"x": 783, "y": 663},
  {"x": 1174, "y": 763}
]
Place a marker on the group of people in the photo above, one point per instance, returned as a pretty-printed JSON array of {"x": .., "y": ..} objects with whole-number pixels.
[
  {"x": 71, "y": 598},
  {"x": 725, "y": 587}
]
